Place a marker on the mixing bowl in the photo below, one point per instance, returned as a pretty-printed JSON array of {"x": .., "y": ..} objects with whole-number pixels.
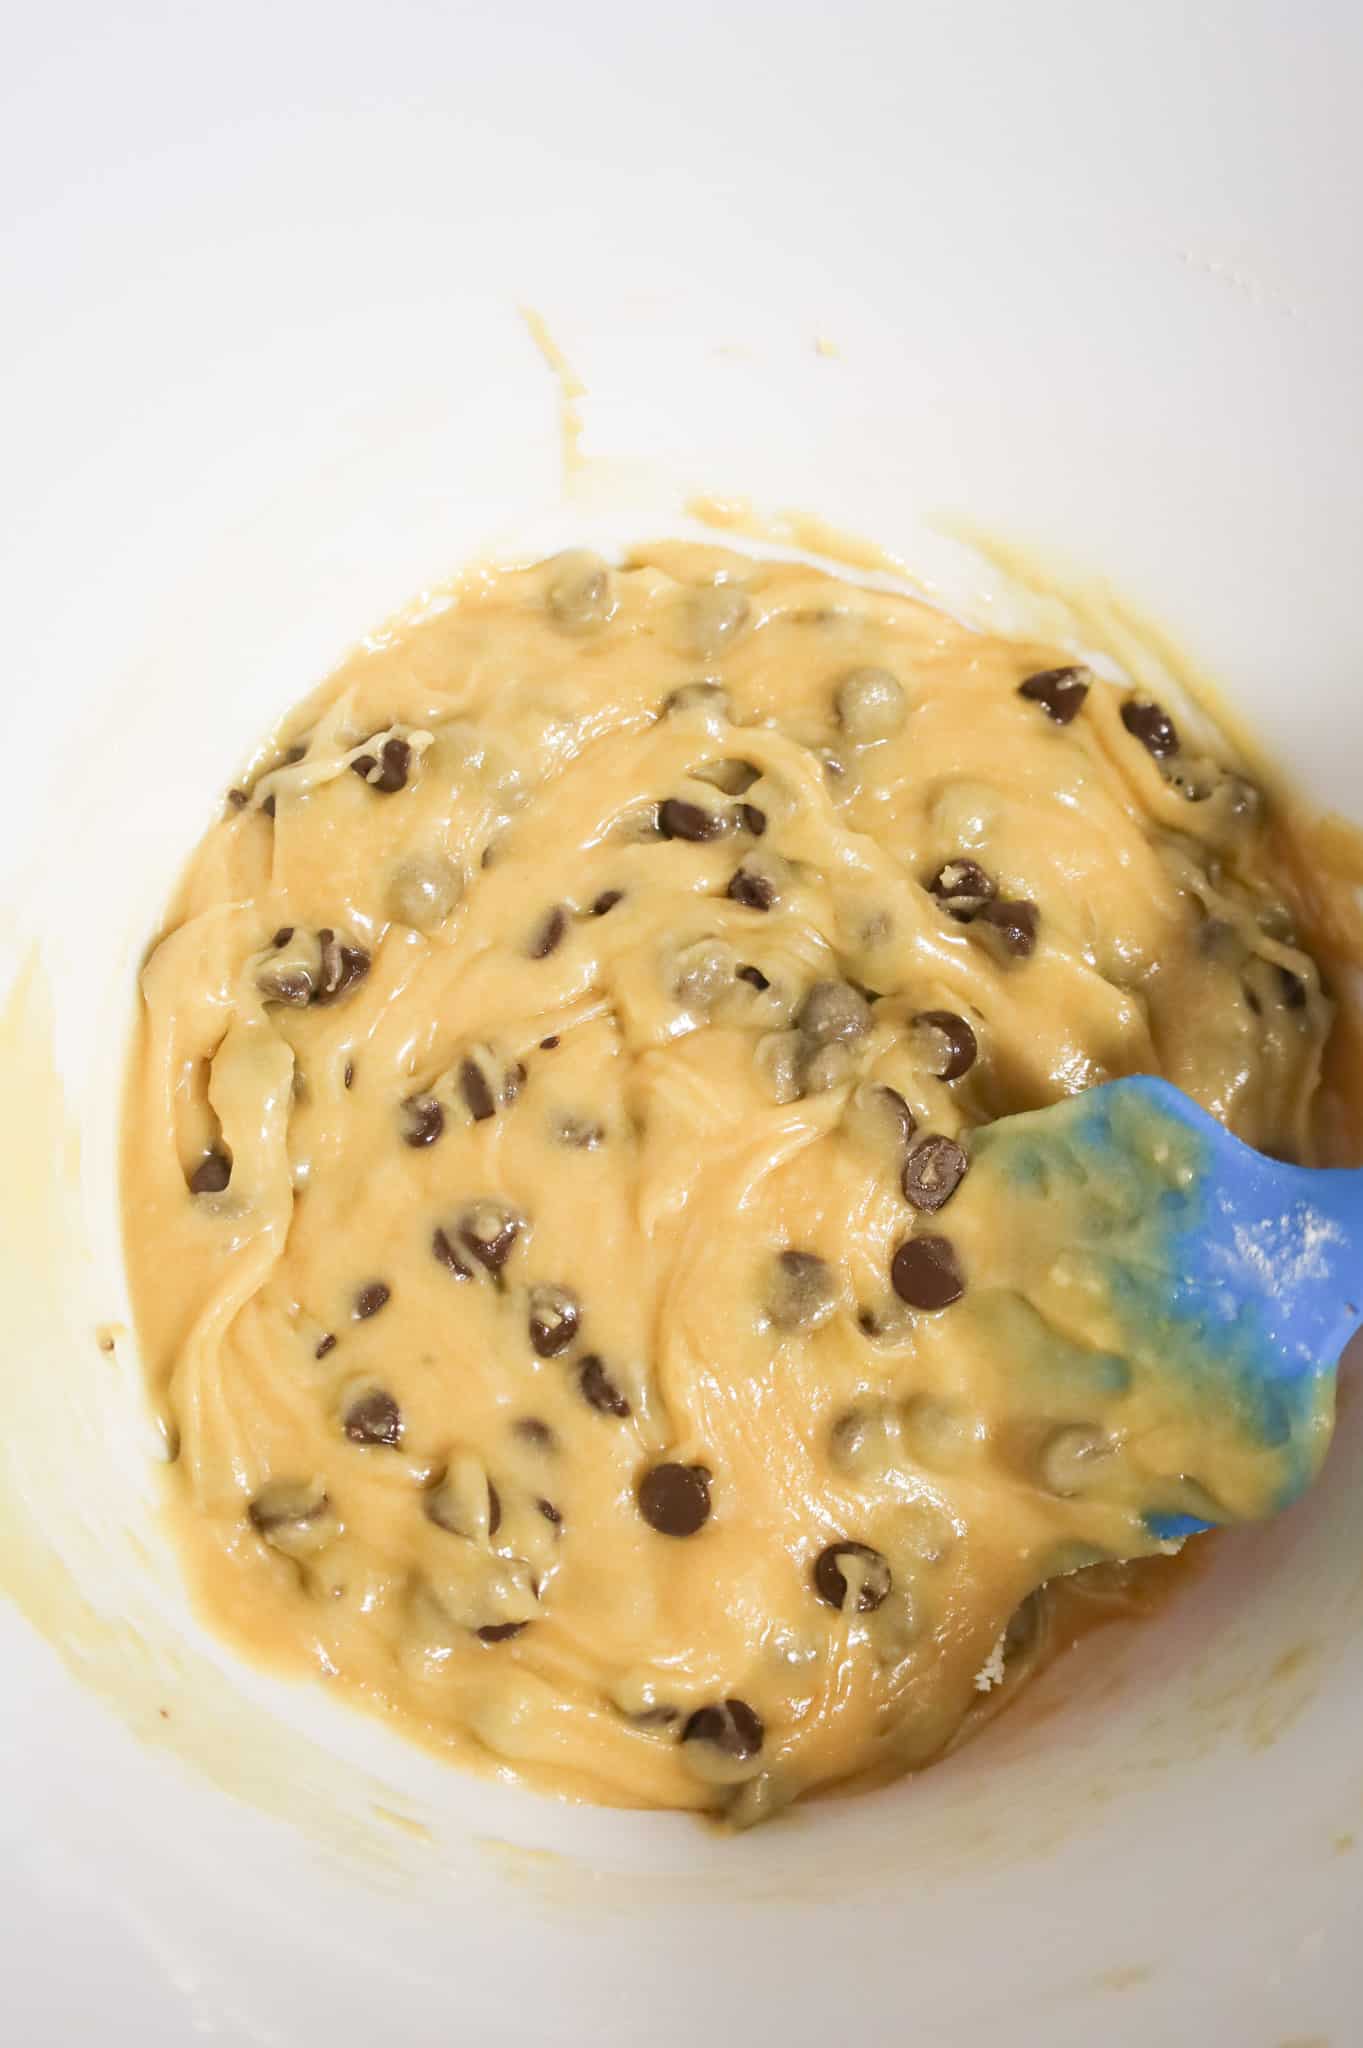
[{"x": 1081, "y": 284}]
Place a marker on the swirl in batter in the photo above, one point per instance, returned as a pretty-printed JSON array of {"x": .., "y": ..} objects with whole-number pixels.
[{"x": 553, "y": 1082}]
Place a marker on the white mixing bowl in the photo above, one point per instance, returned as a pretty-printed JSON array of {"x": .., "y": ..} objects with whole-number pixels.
[{"x": 1086, "y": 278}]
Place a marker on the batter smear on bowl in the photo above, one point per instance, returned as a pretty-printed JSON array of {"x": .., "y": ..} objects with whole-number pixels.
[{"x": 553, "y": 1083}]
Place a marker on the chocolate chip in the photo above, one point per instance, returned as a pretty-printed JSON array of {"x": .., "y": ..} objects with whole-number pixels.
[
  {"x": 801, "y": 1291},
  {"x": 607, "y": 900},
  {"x": 425, "y": 1120},
  {"x": 549, "y": 1512},
  {"x": 500, "y": 1631},
  {"x": 549, "y": 1044},
  {"x": 963, "y": 888},
  {"x": 926, "y": 1273},
  {"x": 751, "y": 819},
  {"x": 581, "y": 1133},
  {"x": 599, "y": 1391},
  {"x": 678, "y": 819},
  {"x": 370, "y": 1300},
  {"x": 532, "y": 1430},
  {"x": 932, "y": 1173},
  {"x": 341, "y": 967},
  {"x": 389, "y": 772},
  {"x": 675, "y": 1499},
  {"x": 286, "y": 1503},
  {"x": 374, "y": 1418},
  {"x": 212, "y": 1173},
  {"x": 834, "y": 1012},
  {"x": 1059, "y": 691},
  {"x": 549, "y": 936},
  {"x": 1015, "y": 922},
  {"x": 283, "y": 935},
  {"x": 473, "y": 1086},
  {"x": 324, "y": 1345},
  {"x": 755, "y": 891},
  {"x": 954, "y": 1045},
  {"x": 443, "y": 1249},
  {"x": 554, "y": 1320},
  {"x": 1151, "y": 724},
  {"x": 489, "y": 1233},
  {"x": 731, "y": 1727},
  {"x": 754, "y": 977},
  {"x": 291, "y": 985},
  {"x": 869, "y": 1573}
]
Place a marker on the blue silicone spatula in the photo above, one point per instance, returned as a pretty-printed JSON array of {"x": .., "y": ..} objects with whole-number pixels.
[{"x": 1223, "y": 1285}]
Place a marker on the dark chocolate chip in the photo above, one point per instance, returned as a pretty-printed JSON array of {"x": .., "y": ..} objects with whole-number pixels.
[
  {"x": 957, "y": 1042},
  {"x": 834, "y": 1012},
  {"x": 489, "y": 1236},
  {"x": 374, "y": 1418},
  {"x": 549, "y": 1512},
  {"x": 389, "y": 772},
  {"x": 926, "y": 1272},
  {"x": 531, "y": 1429},
  {"x": 751, "y": 819},
  {"x": 932, "y": 1173},
  {"x": 554, "y": 1320},
  {"x": 291, "y": 985},
  {"x": 678, "y": 819},
  {"x": 897, "y": 1111},
  {"x": 1059, "y": 691},
  {"x": 830, "y": 1578},
  {"x": 500, "y": 1631},
  {"x": 549, "y": 1044},
  {"x": 286, "y": 1503},
  {"x": 443, "y": 1249},
  {"x": 755, "y": 891},
  {"x": 342, "y": 966},
  {"x": 473, "y": 1086},
  {"x": 1151, "y": 724},
  {"x": 283, "y": 935},
  {"x": 731, "y": 1727},
  {"x": 963, "y": 888},
  {"x": 754, "y": 977},
  {"x": 549, "y": 936},
  {"x": 371, "y": 1299},
  {"x": 599, "y": 1390},
  {"x": 607, "y": 900},
  {"x": 324, "y": 1345},
  {"x": 1016, "y": 923},
  {"x": 425, "y": 1120},
  {"x": 675, "y": 1499},
  {"x": 580, "y": 1133},
  {"x": 212, "y": 1173}
]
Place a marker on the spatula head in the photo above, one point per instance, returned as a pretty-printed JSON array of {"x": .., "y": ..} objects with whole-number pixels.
[{"x": 1221, "y": 1284}]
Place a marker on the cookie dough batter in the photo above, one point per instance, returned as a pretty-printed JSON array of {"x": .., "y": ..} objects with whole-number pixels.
[{"x": 553, "y": 1079}]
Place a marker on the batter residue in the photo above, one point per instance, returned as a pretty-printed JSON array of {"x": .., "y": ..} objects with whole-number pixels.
[{"x": 552, "y": 1083}]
